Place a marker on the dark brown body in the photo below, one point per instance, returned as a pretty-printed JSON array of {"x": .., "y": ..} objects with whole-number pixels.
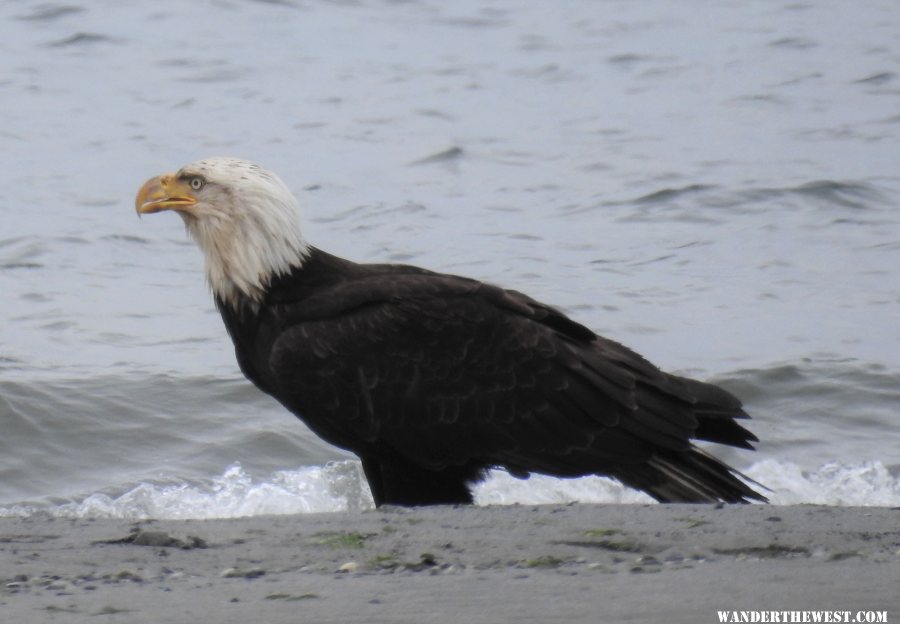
[{"x": 432, "y": 379}]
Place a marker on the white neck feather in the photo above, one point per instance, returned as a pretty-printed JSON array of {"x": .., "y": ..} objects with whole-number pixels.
[{"x": 249, "y": 232}]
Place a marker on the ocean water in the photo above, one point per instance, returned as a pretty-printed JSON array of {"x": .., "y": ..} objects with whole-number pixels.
[{"x": 716, "y": 186}]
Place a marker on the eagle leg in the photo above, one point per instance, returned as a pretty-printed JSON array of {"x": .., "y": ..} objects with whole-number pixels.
[{"x": 395, "y": 480}]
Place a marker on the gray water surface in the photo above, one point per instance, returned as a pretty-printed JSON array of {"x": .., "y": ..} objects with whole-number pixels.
[{"x": 714, "y": 185}]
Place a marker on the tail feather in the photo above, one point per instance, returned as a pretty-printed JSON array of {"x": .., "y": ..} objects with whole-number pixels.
[
  {"x": 722, "y": 429},
  {"x": 690, "y": 477},
  {"x": 717, "y": 412}
]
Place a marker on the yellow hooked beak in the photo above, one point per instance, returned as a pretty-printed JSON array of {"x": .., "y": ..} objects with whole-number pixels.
[{"x": 165, "y": 192}]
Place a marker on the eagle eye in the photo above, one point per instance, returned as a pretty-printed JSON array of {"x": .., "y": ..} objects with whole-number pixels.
[{"x": 197, "y": 183}]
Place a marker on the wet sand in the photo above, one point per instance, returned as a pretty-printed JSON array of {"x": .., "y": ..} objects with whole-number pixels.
[{"x": 577, "y": 563}]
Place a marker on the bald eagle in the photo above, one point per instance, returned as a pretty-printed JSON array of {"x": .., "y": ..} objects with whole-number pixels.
[{"x": 433, "y": 379}]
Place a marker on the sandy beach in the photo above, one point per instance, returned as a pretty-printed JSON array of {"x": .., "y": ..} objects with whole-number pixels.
[{"x": 576, "y": 563}]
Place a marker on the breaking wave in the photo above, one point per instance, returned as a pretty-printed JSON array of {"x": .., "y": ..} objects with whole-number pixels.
[{"x": 341, "y": 486}]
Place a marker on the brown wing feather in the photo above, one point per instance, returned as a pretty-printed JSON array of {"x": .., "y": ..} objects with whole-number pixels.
[{"x": 446, "y": 371}]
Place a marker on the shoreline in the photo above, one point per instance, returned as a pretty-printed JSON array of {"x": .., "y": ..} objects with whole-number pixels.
[{"x": 573, "y": 563}]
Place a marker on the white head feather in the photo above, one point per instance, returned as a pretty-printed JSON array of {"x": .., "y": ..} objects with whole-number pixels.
[{"x": 247, "y": 224}]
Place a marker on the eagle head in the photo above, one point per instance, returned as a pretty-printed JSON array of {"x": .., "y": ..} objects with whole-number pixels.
[{"x": 243, "y": 217}]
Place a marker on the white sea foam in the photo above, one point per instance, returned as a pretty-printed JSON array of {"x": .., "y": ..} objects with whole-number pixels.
[
  {"x": 833, "y": 483},
  {"x": 500, "y": 488},
  {"x": 340, "y": 486}
]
